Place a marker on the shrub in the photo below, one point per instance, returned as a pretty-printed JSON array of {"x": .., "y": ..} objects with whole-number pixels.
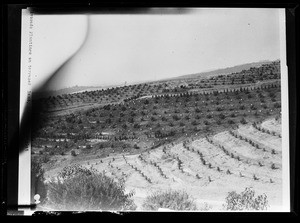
[
  {"x": 45, "y": 158},
  {"x": 246, "y": 200},
  {"x": 232, "y": 115},
  {"x": 73, "y": 153},
  {"x": 255, "y": 177},
  {"x": 175, "y": 117},
  {"x": 277, "y": 105},
  {"x": 277, "y": 118},
  {"x": 209, "y": 116},
  {"x": 37, "y": 180},
  {"x": 273, "y": 167},
  {"x": 221, "y": 116},
  {"x": 174, "y": 200},
  {"x": 80, "y": 188},
  {"x": 153, "y": 119},
  {"x": 243, "y": 121},
  {"x": 230, "y": 121},
  {"x": 194, "y": 122},
  {"x": 252, "y": 107}
]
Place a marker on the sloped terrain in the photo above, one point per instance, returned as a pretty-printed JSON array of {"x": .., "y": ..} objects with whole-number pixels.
[
  {"x": 200, "y": 166},
  {"x": 206, "y": 136}
]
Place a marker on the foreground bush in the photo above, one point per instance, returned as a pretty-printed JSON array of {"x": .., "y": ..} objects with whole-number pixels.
[
  {"x": 246, "y": 200},
  {"x": 174, "y": 200},
  {"x": 37, "y": 180},
  {"x": 79, "y": 188}
]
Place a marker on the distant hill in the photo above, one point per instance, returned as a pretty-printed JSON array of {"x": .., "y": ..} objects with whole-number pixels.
[
  {"x": 69, "y": 90},
  {"x": 223, "y": 71},
  {"x": 207, "y": 74}
]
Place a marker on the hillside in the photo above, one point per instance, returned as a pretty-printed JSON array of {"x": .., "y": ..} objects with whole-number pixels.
[
  {"x": 206, "y": 136},
  {"x": 223, "y": 71},
  {"x": 202, "y": 75},
  {"x": 207, "y": 167},
  {"x": 265, "y": 74},
  {"x": 69, "y": 90}
]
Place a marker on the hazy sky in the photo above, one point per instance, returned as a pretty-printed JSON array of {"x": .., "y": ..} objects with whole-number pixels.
[{"x": 137, "y": 47}]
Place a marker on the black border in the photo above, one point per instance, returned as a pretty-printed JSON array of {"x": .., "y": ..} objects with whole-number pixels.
[
  {"x": 10, "y": 112},
  {"x": 11, "y": 25}
]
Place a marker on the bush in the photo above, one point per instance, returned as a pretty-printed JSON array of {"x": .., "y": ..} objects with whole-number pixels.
[
  {"x": 206, "y": 122},
  {"x": 45, "y": 158},
  {"x": 175, "y": 117},
  {"x": 230, "y": 121},
  {"x": 252, "y": 107},
  {"x": 194, "y": 123},
  {"x": 246, "y": 200},
  {"x": 73, "y": 153},
  {"x": 243, "y": 121},
  {"x": 79, "y": 188},
  {"x": 273, "y": 167},
  {"x": 174, "y": 200},
  {"x": 277, "y": 105},
  {"x": 209, "y": 116},
  {"x": 222, "y": 116},
  {"x": 37, "y": 180}
]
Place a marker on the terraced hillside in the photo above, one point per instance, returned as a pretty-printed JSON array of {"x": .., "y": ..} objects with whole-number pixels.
[
  {"x": 149, "y": 122},
  {"x": 266, "y": 74},
  {"x": 207, "y": 167},
  {"x": 206, "y": 136}
]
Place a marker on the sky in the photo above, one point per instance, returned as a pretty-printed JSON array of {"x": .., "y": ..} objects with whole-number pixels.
[{"x": 109, "y": 49}]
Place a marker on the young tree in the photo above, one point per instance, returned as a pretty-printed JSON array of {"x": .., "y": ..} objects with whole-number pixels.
[{"x": 73, "y": 153}]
